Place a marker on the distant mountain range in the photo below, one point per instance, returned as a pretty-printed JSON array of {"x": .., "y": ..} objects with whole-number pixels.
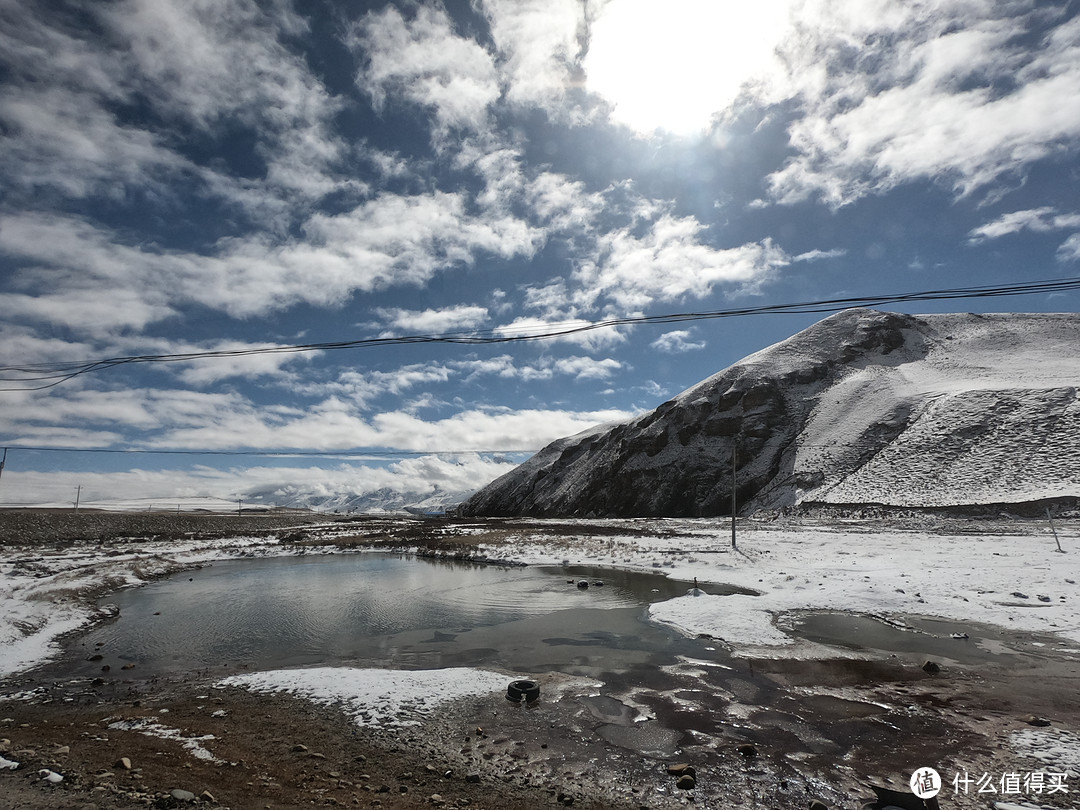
[
  {"x": 380, "y": 500},
  {"x": 864, "y": 407}
]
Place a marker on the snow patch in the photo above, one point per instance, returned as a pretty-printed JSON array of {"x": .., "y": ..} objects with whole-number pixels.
[
  {"x": 1056, "y": 749},
  {"x": 150, "y": 728},
  {"x": 376, "y": 697},
  {"x": 732, "y": 619}
]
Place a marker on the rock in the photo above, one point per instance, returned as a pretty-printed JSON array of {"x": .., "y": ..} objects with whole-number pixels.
[
  {"x": 817, "y": 804},
  {"x": 128, "y": 666},
  {"x": 472, "y": 778},
  {"x": 181, "y": 795},
  {"x": 123, "y": 763},
  {"x": 747, "y": 750},
  {"x": 931, "y": 668},
  {"x": 681, "y": 768},
  {"x": 52, "y": 777},
  {"x": 62, "y": 749},
  {"x": 1037, "y": 721},
  {"x": 1019, "y": 595},
  {"x": 299, "y": 748},
  {"x": 436, "y": 800},
  {"x": 207, "y": 796},
  {"x": 8, "y": 764},
  {"x": 1043, "y": 598},
  {"x": 686, "y": 782}
]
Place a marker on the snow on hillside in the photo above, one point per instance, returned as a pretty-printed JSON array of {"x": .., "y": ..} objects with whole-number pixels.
[
  {"x": 991, "y": 416},
  {"x": 862, "y": 407}
]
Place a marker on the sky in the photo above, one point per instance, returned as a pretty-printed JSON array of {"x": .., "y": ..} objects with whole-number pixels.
[{"x": 192, "y": 176}]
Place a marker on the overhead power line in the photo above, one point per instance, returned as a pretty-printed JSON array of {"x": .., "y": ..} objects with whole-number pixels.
[{"x": 47, "y": 375}]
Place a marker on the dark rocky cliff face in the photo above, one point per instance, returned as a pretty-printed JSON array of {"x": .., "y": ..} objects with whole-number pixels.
[{"x": 676, "y": 461}]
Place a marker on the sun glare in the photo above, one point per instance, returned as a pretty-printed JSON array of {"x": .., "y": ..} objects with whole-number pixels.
[{"x": 670, "y": 65}]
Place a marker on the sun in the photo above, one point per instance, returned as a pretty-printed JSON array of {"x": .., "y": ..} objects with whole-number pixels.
[{"x": 671, "y": 65}]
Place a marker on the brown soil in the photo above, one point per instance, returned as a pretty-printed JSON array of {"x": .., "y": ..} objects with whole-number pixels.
[{"x": 274, "y": 751}]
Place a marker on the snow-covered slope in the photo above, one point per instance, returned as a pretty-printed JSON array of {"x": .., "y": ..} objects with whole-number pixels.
[{"x": 862, "y": 407}]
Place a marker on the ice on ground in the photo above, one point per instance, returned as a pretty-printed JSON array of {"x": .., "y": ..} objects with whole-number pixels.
[{"x": 376, "y": 697}]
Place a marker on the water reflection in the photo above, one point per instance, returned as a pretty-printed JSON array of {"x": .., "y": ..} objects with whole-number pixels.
[{"x": 387, "y": 610}]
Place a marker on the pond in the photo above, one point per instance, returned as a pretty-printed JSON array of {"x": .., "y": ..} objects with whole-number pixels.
[{"x": 386, "y": 610}]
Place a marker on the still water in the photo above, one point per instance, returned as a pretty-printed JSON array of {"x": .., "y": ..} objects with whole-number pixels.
[{"x": 387, "y": 610}]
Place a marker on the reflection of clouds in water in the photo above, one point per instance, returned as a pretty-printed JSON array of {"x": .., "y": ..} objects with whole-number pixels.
[{"x": 313, "y": 608}]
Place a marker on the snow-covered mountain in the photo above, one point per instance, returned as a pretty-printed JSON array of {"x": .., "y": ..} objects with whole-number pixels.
[
  {"x": 863, "y": 407},
  {"x": 381, "y": 500}
]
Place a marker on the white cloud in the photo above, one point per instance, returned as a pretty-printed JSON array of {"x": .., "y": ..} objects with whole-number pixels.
[
  {"x": 206, "y": 66},
  {"x": 670, "y": 262},
  {"x": 433, "y": 321},
  {"x": 945, "y": 91},
  {"x": 587, "y": 368},
  {"x": 571, "y": 330},
  {"x": 81, "y": 272},
  {"x": 177, "y": 419},
  {"x": 361, "y": 388},
  {"x": 539, "y": 43},
  {"x": 1070, "y": 249},
  {"x": 818, "y": 255},
  {"x": 424, "y": 61},
  {"x": 564, "y": 205},
  {"x": 676, "y": 342},
  {"x": 1040, "y": 220},
  {"x": 335, "y": 424}
]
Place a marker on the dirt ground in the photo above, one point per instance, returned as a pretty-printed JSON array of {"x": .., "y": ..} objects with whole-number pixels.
[{"x": 828, "y": 728}]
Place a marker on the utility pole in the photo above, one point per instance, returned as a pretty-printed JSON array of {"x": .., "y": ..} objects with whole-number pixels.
[
  {"x": 78, "y": 497},
  {"x": 734, "y": 458},
  {"x": 239, "y": 507},
  {"x": 3, "y": 461}
]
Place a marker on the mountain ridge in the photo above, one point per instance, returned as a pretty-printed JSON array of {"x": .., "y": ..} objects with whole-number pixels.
[{"x": 862, "y": 407}]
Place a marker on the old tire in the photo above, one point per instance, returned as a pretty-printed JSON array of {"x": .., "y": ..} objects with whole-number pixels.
[{"x": 525, "y": 690}]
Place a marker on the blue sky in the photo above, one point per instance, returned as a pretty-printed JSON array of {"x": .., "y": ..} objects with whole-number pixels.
[{"x": 191, "y": 176}]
